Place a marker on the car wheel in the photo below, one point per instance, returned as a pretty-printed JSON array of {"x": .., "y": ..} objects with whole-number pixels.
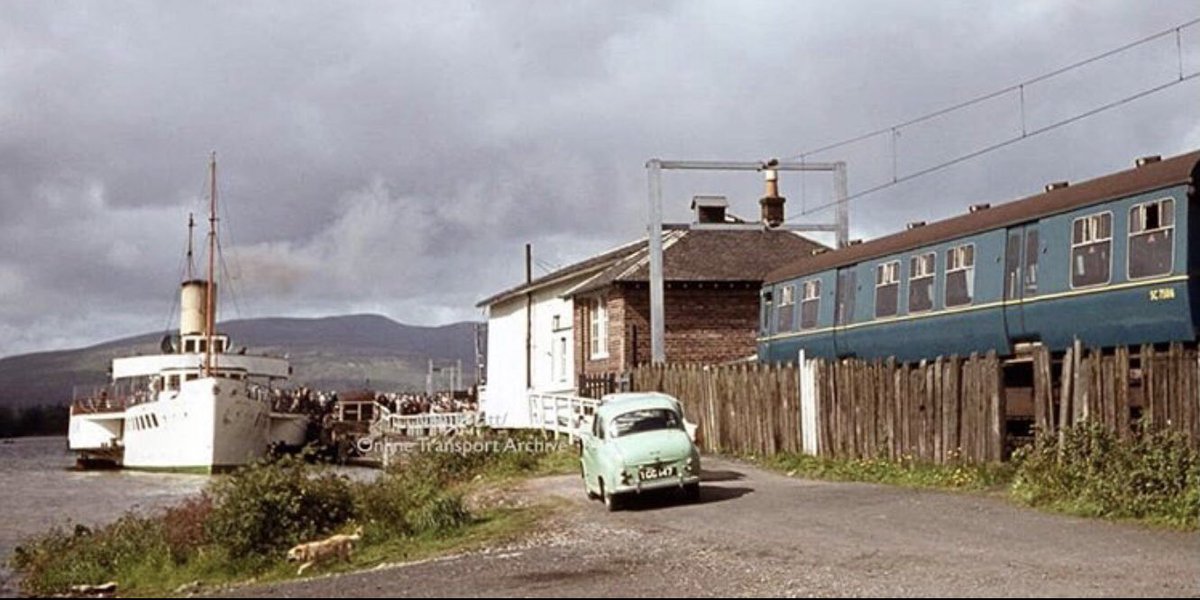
[
  {"x": 691, "y": 492},
  {"x": 611, "y": 502}
]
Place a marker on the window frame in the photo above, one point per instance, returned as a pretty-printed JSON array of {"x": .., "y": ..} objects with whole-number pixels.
[
  {"x": 950, "y": 253},
  {"x": 805, "y": 298},
  {"x": 598, "y": 328},
  {"x": 912, "y": 276},
  {"x": 1130, "y": 234},
  {"x": 1071, "y": 254},
  {"x": 882, "y": 284},
  {"x": 787, "y": 300}
]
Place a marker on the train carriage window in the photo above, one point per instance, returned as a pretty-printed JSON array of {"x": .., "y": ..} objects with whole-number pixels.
[
  {"x": 786, "y": 317},
  {"x": 1032, "y": 250},
  {"x": 960, "y": 275},
  {"x": 766, "y": 312},
  {"x": 887, "y": 289},
  {"x": 810, "y": 304},
  {"x": 1012, "y": 266},
  {"x": 1091, "y": 250},
  {"x": 847, "y": 285},
  {"x": 920, "y": 282},
  {"x": 1151, "y": 238}
]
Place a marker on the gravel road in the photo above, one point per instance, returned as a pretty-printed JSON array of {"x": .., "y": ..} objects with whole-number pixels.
[{"x": 759, "y": 533}]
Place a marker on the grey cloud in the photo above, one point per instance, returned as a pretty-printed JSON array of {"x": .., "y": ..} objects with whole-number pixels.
[{"x": 394, "y": 157}]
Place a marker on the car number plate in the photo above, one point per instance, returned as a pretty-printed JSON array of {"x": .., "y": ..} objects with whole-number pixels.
[{"x": 655, "y": 472}]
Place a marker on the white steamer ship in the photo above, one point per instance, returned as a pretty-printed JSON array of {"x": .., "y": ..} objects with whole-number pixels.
[{"x": 197, "y": 407}]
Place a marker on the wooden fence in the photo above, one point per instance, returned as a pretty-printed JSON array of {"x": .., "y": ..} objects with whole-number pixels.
[
  {"x": 1124, "y": 389},
  {"x": 747, "y": 409},
  {"x": 945, "y": 410}
]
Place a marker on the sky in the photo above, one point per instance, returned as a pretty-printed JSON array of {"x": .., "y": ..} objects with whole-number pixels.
[{"x": 395, "y": 157}]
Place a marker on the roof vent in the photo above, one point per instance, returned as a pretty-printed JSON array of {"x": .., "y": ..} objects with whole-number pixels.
[
  {"x": 710, "y": 209},
  {"x": 1145, "y": 160},
  {"x": 819, "y": 251},
  {"x": 978, "y": 207},
  {"x": 854, "y": 242},
  {"x": 1057, "y": 185},
  {"x": 916, "y": 224}
]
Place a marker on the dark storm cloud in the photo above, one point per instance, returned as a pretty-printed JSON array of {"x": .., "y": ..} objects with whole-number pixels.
[{"x": 394, "y": 157}]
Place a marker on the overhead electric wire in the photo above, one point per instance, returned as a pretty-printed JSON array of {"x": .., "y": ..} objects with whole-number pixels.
[
  {"x": 894, "y": 130},
  {"x": 1008, "y": 142}
]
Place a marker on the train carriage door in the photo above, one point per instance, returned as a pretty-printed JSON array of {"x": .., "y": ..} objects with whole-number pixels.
[
  {"x": 1020, "y": 278},
  {"x": 847, "y": 285}
]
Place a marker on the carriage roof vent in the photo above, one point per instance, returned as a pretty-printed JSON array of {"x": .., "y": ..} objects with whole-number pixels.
[
  {"x": 978, "y": 207},
  {"x": 819, "y": 251},
  {"x": 854, "y": 242},
  {"x": 1145, "y": 160},
  {"x": 1057, "y": 185},
  {"x": 916, "y": 224}
]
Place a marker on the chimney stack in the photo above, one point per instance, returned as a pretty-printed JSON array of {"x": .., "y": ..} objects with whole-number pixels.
[
  {"x": 709, "y": 209},
  {"x": 771, "y": 202}
]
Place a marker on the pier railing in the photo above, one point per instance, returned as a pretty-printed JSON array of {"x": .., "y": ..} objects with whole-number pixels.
[
  {"x": 560, "y": 414},
  {"x": 426, "y": 424}
]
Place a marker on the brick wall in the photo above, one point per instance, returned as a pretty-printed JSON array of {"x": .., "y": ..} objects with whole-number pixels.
[{"x": 705, "y": 323}]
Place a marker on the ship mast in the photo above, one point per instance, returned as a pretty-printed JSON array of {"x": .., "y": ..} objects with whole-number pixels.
[
  {"x": 211, "y": 318},
  {"x": 191, "y": 264}
]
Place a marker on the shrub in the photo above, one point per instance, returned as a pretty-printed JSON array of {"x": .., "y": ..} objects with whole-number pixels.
[
  {"x": 1154, "y": 476},
  {"x": 124, "y": 550},
  {"x": 263, "y": 509}
]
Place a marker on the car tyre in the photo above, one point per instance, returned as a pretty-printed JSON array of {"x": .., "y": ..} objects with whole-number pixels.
[
  {"x": 691, "y": 492},
  {"x": 611, "y": 502}
]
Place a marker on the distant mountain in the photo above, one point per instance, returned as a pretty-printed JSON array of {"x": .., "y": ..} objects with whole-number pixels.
[{"x": 326, "y": 353}]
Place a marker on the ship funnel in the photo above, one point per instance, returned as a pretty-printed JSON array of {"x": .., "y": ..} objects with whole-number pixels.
[{"x": 193, "y": 310}]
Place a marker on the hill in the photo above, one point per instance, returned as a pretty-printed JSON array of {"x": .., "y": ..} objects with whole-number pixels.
[{"x": 326, "y": 353}]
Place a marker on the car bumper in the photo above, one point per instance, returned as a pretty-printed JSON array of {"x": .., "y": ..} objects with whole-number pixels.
[{"x": 657, "y": 484}]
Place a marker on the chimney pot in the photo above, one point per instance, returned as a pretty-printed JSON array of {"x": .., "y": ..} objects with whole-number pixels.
[{"x": 772, "y": 202}]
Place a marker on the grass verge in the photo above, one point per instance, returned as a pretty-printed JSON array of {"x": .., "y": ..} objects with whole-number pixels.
[
  {"x": 1152, "y": 478},
  {"x": 240, "y": 529}
]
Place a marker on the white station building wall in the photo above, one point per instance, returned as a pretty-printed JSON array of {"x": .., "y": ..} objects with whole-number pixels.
[{"x": 505, "y": 397}]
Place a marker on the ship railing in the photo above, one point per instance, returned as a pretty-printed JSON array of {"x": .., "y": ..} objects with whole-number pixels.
[{"x": 111, "y": 398}]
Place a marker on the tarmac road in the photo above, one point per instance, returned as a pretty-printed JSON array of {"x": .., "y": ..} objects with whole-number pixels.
[{"x": 758, "y": 533}]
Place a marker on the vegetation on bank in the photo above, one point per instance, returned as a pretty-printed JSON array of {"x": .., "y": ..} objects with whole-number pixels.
[
  {"x": 243, "y": 524},
  {"x": 1152, "y": 477}
]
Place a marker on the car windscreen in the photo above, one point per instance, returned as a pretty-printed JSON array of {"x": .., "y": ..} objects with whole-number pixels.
[{"x": 637, "y": 421}]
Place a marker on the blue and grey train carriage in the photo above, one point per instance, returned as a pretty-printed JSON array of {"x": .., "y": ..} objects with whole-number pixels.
[{"x": 1112, "y": 261}]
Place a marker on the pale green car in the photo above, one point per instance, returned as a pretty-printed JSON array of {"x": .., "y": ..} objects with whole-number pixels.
[{"x": 637, "y": 443}]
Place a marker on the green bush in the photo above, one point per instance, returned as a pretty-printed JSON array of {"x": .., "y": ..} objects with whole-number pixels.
[
  {"x": 125, "y": 550},
  {"x": 1153, "y": 476},
  {"x": 263, "y": 509}
]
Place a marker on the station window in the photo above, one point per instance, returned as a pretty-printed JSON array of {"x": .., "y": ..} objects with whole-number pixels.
[
  {"x": 598, "y": 328},
  {"x": 785, "y": 319},
  {"x": 810, "y": 304},
  {"x": 920, "y": 282},
  {"x": 960, "y": 275},
  {"x": 1152, "y": 238},
  {"x": 1091, "y": 250},
  {"x": 887, "y": 289}
]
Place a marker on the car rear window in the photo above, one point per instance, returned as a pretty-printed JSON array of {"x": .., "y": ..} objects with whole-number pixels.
[{"x": 637, "y": 421}]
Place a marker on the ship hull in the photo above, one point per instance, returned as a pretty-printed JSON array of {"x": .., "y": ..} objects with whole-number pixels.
[{"x": 211, "y": 425}]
